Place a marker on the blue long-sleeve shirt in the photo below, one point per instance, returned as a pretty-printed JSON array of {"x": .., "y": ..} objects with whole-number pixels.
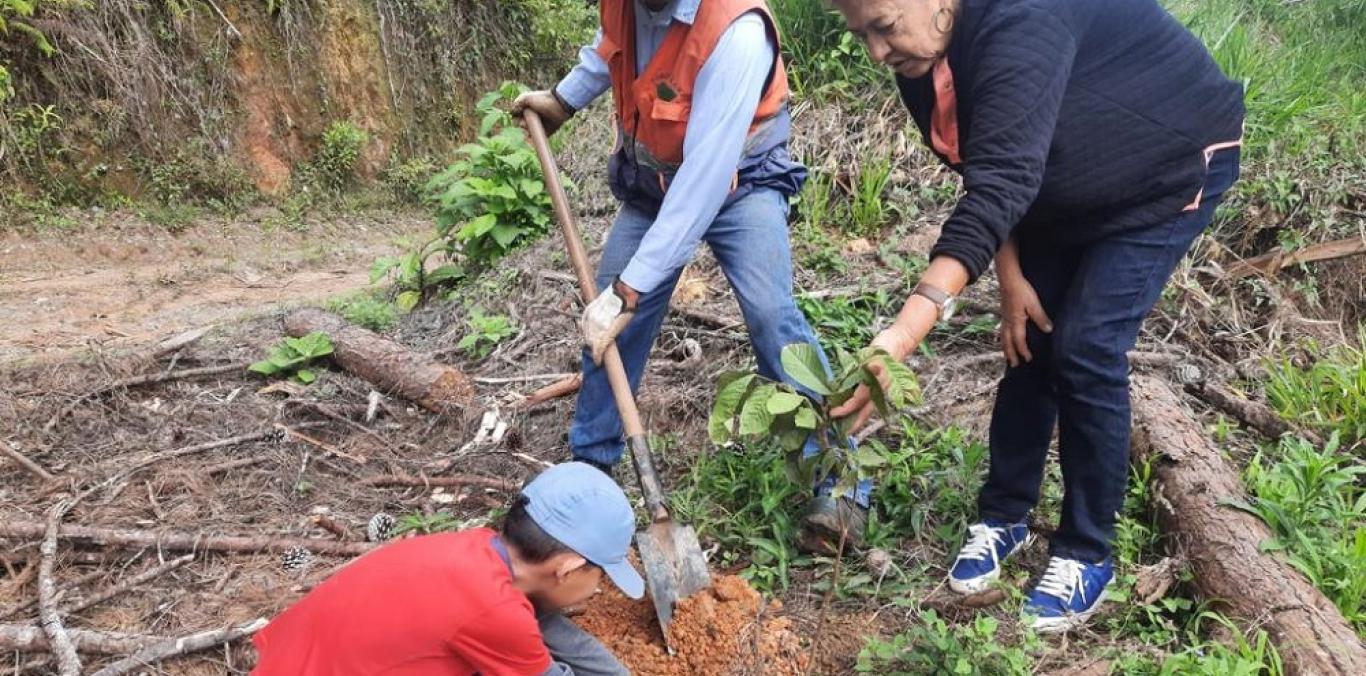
[{"x": 725, "y": 96}]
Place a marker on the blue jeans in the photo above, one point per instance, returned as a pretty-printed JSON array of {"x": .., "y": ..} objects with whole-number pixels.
[
  {"x": 1097, "y": 296},
  {"x": 749, "y": 240}
]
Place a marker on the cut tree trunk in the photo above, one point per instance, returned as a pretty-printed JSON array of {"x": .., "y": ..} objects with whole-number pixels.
[
  {"x": 1193, "y": 490},
  {"x": 388, "y": 366},
  {"x": 182, "y": 542}
]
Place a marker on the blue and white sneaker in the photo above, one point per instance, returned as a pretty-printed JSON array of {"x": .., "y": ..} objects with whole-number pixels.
[
  {"x": 1069, "y": 593},
  {"x": 989, "y": 544}
]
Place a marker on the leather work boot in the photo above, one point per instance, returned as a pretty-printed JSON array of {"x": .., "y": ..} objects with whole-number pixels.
[{"x": 826, "y": 518}]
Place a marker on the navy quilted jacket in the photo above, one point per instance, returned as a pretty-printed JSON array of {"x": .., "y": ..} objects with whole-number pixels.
[{"x": 1078, "y": 119}]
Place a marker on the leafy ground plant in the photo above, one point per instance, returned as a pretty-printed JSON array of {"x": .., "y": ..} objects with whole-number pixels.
[
  {"x": 486, "y": 332},
  {"x": 751, "y": 408},
  {"x": 489, "y": 203},
  {"x": 290, "y": 356}
]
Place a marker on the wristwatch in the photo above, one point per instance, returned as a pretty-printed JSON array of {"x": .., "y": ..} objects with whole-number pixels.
[{"x": 945, "y": 301}]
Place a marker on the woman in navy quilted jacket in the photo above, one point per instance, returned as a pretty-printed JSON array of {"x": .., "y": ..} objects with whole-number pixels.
[{"x": 1095, "y": 139}]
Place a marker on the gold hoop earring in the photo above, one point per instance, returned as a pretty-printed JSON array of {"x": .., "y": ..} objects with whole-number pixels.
[{"x": 943, "y": 30}]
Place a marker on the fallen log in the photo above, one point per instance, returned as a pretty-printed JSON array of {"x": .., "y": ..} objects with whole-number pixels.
[
  {"x": 1193, "y": 489},
  {"x": 1271, "y": 263},
  {"x": 390, "y": 367},
  {"x": 181, "y": 541}
]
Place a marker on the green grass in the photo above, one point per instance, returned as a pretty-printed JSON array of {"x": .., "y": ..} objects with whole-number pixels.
[
  {"x": 824, "y": 60},
  {"x": 1304, "y": 68},
  {"x": 369, "y": 308},
  {"x": 743, "y": 499},
  {"x": 1328, "y": 395},
  {"x": 1314, "y": 500}
]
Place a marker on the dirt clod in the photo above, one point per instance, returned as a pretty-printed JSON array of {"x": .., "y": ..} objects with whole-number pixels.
[{"x": 723, "y": 630}]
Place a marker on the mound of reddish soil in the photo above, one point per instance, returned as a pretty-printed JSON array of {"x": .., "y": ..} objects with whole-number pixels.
[{"x": 723, "y": 630}]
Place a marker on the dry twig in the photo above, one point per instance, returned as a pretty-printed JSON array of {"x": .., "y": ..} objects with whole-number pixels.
[
  {"x": 136, "y": 381},
  {"x": 180, "y": 646},
  {"x": 68, "y": 662}
]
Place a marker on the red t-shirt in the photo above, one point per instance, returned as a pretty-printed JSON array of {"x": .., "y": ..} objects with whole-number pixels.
[{"x": 426, "y": 606}]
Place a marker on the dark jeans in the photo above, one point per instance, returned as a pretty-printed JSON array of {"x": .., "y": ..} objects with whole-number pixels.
[{"x": 1097, "y": 296}]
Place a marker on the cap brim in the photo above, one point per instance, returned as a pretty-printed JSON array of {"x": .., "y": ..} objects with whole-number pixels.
[{"x": 626, "y": 578}]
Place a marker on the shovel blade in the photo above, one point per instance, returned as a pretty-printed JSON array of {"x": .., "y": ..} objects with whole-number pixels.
[{"x": 674, "y": 568}]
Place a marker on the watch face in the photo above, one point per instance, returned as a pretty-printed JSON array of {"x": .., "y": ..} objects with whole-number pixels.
[{"x": 949, "y": 307}]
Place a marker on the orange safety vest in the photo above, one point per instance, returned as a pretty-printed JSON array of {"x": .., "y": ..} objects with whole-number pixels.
[{"x": 652, "y": 108}]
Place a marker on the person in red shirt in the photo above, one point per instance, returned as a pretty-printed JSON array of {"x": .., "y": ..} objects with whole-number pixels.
[{"x": 459, "y": 604}]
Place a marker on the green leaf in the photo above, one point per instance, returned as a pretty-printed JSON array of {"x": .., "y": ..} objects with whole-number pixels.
[
  {"x": 878, "y": 395},
  {"x": 802, "y": 363},
  {"x": 381, "y": 267},
  {"x": 754, "y": 416},
  {"x": 306, "y": 376},
  {"x": 728, "y": 399},
  {"x": 868, "y": 457},
  {"x": 505, "y": 234},
  {"x": 805, "y": 418},
  {"x": 532, "y": 188},
  {"x": 408, "y": 300},
  {"x": 445, "y": 273},
  {"x": 314, "y": 345},
  {"x": 264, "y": 367},
  {"x": 784, "y": 402},
  {"x": 468, "y": 342}
]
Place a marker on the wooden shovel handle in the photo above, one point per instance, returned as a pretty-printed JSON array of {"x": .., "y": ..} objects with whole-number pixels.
[{"x": 611, "y": 360}]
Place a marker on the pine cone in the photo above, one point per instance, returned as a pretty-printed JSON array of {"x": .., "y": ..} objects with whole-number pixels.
[
  {"x": 296, "y": 558},
  {"x": 380, "y": 528}
]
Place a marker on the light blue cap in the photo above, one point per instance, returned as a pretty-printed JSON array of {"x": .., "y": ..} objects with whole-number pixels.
[{"x": 586, "y": 510}]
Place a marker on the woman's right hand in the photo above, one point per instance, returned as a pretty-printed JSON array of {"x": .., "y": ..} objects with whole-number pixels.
[{"x": 1019, "y": 304}]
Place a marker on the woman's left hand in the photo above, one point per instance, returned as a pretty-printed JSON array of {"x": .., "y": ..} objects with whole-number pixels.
[{"x": 1019, "y": 305}]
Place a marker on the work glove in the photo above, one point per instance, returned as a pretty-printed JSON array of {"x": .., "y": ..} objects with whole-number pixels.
[
  {"x": 553, "y": 110},
  {"x": 606, "y": 317}
]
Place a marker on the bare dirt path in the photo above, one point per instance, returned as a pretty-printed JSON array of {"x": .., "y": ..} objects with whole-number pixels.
[{"x": 121, "y": 281}]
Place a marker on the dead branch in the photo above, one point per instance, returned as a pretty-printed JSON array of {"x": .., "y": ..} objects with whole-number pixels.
[
  {"x": 524, "y": 379},
  {"x": 137, "y": 381},
  {"x": 130, "y": 583},
  {"x": 445, "y": 481},
  {"x": 22, "y": 460},
  {"x": 336, "y": 415},
  {"x": 122, "y": 466},
  {"x": 1194, "y": 491},
  {"x": 30, "y": 638},
  {"x": 68, "y": 662},
  {"x": 74, "y": 584},
  {"x": 332, "y": 526},
  {"x": 179, "y": 341},
  {"x": 180, "y": 541},
  {"x": 1271, "y": 263},
  {"x": 556, "y": 390},
  {"x": 319, "y": 444},
  {"x": 181, "y": 646},
  {"x": 707, "y": 319},
  {"x": 386, "y": 364},
  {"x": 1250, "y": 413}
]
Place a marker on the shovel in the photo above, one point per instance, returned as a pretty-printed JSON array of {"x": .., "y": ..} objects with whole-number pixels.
[{"x": 669, "y": 551}]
